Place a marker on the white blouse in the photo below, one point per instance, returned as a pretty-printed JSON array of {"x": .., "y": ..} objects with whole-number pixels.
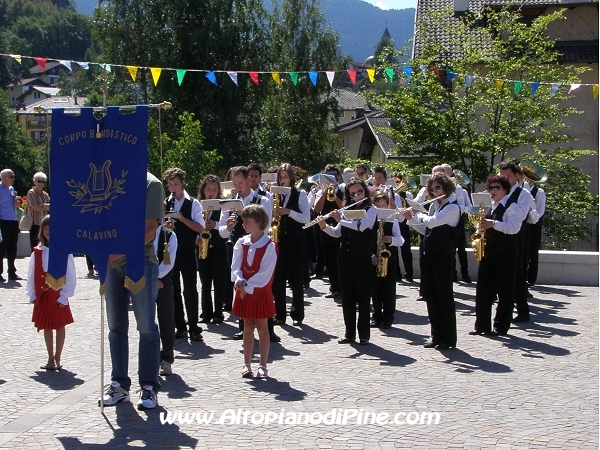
[
  {"x": 267, "y": 265},
  {"x": 71, "y": 279}
]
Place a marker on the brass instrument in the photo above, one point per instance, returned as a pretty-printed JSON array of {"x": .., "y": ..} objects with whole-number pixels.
[
  {"x": 205, "y": 237},
  {"x": 383, "y": 254},
  {"x": 533, "y": 173},
  {"x": 330, "y": 194},
  {"x": 461, "y": 177},
  {"x": 407, "y": 183},
  {"x": 478, "y": 238},
  {"x": 274, "y": 231}
]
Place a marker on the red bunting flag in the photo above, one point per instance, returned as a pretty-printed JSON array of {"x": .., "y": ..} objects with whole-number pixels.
[
  {"x": 352, "y": 75},
  {"x": 41, "y": 62},
  {"x": 254, "y": 77},
  {"x": 437, "y": 73}
]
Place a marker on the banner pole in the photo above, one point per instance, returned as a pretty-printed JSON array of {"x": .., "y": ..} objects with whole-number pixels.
[{"x": 101, "y": 353}]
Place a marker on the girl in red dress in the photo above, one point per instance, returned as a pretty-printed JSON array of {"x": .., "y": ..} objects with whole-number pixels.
[
  {"x": 50, "y": 307},
  {"x": 252, "y": 267}
]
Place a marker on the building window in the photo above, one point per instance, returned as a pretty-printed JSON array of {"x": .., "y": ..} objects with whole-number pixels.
[
  {"x": 341, "y": 113},
  {"x": 39, "y": 117}
]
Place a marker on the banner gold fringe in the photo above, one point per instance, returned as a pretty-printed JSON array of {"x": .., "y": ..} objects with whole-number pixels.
[
  {"x": 54, "y": 283},
  {"x": 102, "y": 289},
  {"x": 135, "y": 286}
]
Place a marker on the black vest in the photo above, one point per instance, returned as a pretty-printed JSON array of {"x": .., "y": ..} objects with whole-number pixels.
[
  {"x": 216, "y": 241},
  {"x": 161, "y": 247},
  {"x": 186, "y": 237},
  {"x": 440, "y": 240},
  {"x": 388, "y": 230},
  {"x": 496, "y": 242},
  {"x": 514, "y": 198},
  {"x": 356, "y": 244},
  {"x": 238, "y": 231},
  {"x": 330, "y": 206},
  {"x": 289, "y": 229}
]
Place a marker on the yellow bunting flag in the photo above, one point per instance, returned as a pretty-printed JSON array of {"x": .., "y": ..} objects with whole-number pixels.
[
  {"x": 371, "y": 73},
  {"x": 499, "y": 84},
  {"x": 132, "y": 71},
  {"x": 17, "y": 57},
  {"x": 595, "y": 91},
  {"x": 155, "y": 71},
  {"x": 276, "y": 77}
]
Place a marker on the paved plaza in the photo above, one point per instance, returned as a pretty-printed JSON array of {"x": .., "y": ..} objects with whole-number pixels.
[{"x": 536, "y": 388}]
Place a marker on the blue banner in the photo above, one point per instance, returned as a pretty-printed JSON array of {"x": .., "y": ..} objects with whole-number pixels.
[{"x": 98, "y": 176}]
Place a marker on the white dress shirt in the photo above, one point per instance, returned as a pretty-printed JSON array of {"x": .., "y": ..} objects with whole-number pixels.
[
  {"x": 70, "y": 278},
  {"x": 527, "y": 205},
  {"x": 163, "y": 268},
  {"x": 450, "y": 215},
  {"x": 511, "y": 219},
  {"x": 304, "y": 215},
  {"x": 358, "y": 225},
  {"x": 267, "y": 265},
  {"x": 197, "y": 209},
  {"x": 264, "y": 202}
]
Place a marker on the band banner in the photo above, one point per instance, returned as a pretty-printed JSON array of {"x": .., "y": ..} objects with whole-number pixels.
[{"x": 98, "y": 173}]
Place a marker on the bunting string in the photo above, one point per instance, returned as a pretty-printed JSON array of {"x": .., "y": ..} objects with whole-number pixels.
[{"x": 312, "y": 75}]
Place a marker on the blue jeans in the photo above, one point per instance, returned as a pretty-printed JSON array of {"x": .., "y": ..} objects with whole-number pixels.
[{"x": 144, "y": 308}]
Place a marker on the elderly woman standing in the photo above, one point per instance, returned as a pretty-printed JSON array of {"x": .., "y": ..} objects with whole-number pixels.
[
  {"x": 436, "y": 258},
  {"x": 38, "y": 205}
]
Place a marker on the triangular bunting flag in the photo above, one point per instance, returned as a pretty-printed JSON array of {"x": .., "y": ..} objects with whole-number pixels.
[
  {"x": 437, "y": 72},
  {"x": 233, "y": 76},
  {"x": 553, "y": 89},
  {"x": 595, "y": 90},
  {"x": 450, "y": 76},
  {"x": 390, "y": 74},
  {"x": 423, "y": 68},
  {"x": 132, "y": 71},
  {"x": 534, "y": 87},
  {"x": 499, "y": 84},
  {"x": 180, "y": 75},
  {"x": 41, "y": 62},
  {"x": 408, "y": 72},
  {"x": 573, "y": 87},
  {"x": 212, "y": 77},
  {"x": 518, "y": 86},
  {"x": 294, "y": 77},
  {"x": 330, "y": 76},
  {"x": 155, "y": 71},
  {"x": 106, "y": 67},
  {"x": 276, "y": 77},
  {"x": 371, "y": 74},
  {"x": 254, "y": 77},
  {"x": 83, "y": 64},
  {"x": 352, "y": 75},
  {"x": 313, "y": 78},
  {"x": 469, "y": 80},
  {"x": 67, "y": 64},
  {"x": 17, "y": 57}
]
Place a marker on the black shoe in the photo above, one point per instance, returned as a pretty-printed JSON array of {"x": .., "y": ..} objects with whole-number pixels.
[
  {"x": 217, "y": 320},
  {"x": 196, "y": 336},
  {"x": 521, "y": 319},
  {"x": 466, "y": 278},
  {"x": 386, "y": 326},
  {"x": 455, "y": 279},
  {"x": 274, "y": 338},
  {"x": 346, "y": 341},
  {"x": 529, "y": 294},
  {"x": 420, "y": 298},
  {"x": 238, "y": 336},
  {"x": 374, "y": 324},
  {"x": 410, "y": 279},
  {"x": 14, "y": 277},
  {"x": 441, "y": 346},
  {"x": 227, "y": 308},
  {"x": 364, "y": 342},
  {"x": 297, "y": 323},
  {"x": 204, "y": 320},
  {"x": 475, "y": 333},
  {"x": 2, "y": 279},
  {"x": 430, "y": 344},
  {"x": 180, "y": 334},
  {"x": 497, "y": 332}
]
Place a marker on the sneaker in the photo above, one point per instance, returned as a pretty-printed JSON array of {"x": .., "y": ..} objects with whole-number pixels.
[
  {"x": 148, "y": 399},
  {"x": 165, "y": 368},
  {"x": 114, "y": 394}
]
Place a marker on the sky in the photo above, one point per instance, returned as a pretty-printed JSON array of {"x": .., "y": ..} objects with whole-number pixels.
[{"x": 393, "y": 4}]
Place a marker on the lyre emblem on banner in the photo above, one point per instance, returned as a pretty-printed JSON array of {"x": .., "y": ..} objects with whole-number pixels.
[{"x": 99, "y": 190}]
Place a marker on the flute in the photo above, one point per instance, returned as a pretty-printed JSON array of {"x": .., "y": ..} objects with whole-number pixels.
[
  {"x": 326, "y": 216},
  {"x": 401, "y": 210}
]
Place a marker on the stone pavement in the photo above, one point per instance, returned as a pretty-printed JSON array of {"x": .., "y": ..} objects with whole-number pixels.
[{"x": 536, "y": 388}]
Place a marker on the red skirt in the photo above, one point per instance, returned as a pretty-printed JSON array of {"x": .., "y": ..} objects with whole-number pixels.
[
  {"x": 259, "y": 305},
  {"x": 48, "y": 315}
]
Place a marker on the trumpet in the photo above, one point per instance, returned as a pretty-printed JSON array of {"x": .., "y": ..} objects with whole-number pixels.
[
  {"x": 407, "y": 183},
  {"x": 326, "y": 216},
  {"x": 330, "y": 194},
  {"x": 205, "y": 237},
  {"x": 274, "y": 231},
  {"x": 383, "y": 254},
  {"x": 478, "y": 238}
]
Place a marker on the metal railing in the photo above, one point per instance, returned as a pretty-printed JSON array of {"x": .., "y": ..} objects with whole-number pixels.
[{"x": 573, "y": 231}]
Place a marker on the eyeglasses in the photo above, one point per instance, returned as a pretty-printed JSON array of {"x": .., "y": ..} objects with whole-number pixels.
[
  {"x": 40, "y": 181},
  {"x": 357, "y": 193},
  {"x": 495, "y": 188},
  {"x": 435, "y": 188}
]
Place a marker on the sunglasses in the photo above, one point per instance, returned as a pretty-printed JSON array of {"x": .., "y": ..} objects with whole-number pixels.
[
  {"x": 495, "y": 188},
  {"x": 435, "y": 189},
  {"x": 40, "y": 181},
  {"x": 356, "y": 193}
]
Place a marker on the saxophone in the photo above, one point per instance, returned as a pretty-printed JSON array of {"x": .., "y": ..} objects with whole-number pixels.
[
  {"x": 205, "y": 237},
  {"x": 478, "y": 238},
  {"x": 274, "y": 231},
  {"x": 383, "y": 254}
]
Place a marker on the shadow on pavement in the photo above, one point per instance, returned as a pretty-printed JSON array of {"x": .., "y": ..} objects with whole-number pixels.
[
  {"x": 466, "y": 363},
  {"x": 61, "y": 380},
  {"x": 282, "y": 389},
  {"x": 386, "y": 357},
  {"x": 175, "y": 387},
  {"x": 307, "y": 334}
]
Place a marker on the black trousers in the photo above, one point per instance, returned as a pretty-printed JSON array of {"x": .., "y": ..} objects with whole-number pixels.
[
  {"x": 495, "y": 276},
  {"x": 437, "y": 288},
  {"x": 535, "y": 242},
  {"x": 165, "y": 313},
  {"x": 185, "y": 266},
  {"x": 8, "y": 246},
  {"x": 331, "y": 247},
  {"x": 520, "y": 294},
  {"x": 291, "y": 265},
  {"x": 460, "y": 248},
  {"x": 356, "y": 281},
  {"x": 34, "y": 236},
  {"x": 228, "y": 303},
  {"x": 405, "y": 250},
  {"x": 384, "y": 291},
  {"x": 214, "y": 271}
]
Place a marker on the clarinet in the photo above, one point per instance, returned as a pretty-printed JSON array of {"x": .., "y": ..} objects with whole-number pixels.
[{"x": 233, "y": 213}]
